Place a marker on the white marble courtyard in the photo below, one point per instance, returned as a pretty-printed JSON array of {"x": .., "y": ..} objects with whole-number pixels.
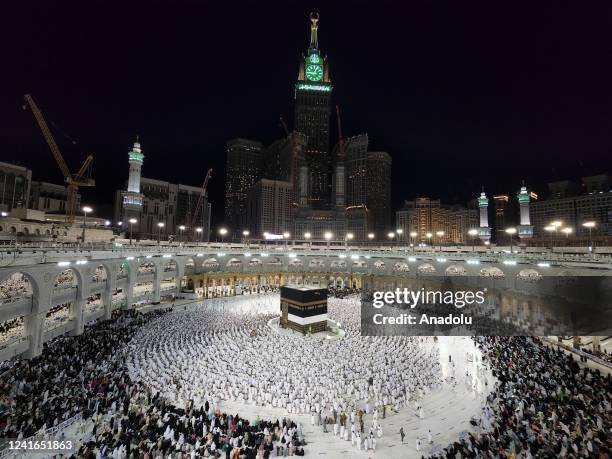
[
  {"x": 447, "y": 413},
  {"x": 447, "y": 409}
]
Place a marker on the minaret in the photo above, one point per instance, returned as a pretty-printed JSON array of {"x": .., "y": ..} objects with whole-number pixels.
[
  {"x": 525, "y": 230},
  {"x": 135, "y": 159},
  {"x": 132, "y": 198},
  {"x": 484, "y": 231}
]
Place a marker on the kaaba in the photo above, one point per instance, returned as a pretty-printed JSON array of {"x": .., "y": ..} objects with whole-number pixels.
[{"x": 304, "y": 309}]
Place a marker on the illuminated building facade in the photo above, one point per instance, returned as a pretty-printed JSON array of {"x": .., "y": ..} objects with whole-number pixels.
[
  {"x": 270, "y": 207},
  {"x": 564, "y": 205},
  {"x": 50, "y": 197},
  {"x": 14, "y": 186},
  {"x": 313, "y": 92},
  {"x": 378, "y": 189},
  {"x": 278, "y": 157},
  {"x": 245, "y": 167},
  {"x": 425, "y": 215},
  {"x": 151, "y": 202},
  {"x": 356, "y": 157}
]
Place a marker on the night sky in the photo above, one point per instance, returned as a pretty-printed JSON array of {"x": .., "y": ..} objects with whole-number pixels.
[{"x": 461, "y": 94}]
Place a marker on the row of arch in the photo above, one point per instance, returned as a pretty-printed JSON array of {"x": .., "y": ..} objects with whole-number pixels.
[
  {"x": 19, "y": 283},
  {"x": 27, "y": 231},
  {"x": 424, "y": 268}
]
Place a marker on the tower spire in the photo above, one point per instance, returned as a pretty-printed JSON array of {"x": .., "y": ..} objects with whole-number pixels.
[{"x": 314, "y": 26}]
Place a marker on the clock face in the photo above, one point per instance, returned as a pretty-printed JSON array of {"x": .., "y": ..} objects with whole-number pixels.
[{"x": 314, "y": 72}]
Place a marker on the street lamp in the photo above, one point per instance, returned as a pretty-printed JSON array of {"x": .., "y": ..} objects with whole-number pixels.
[
  {"x": 181, "y": 229},
  {"x": 328, "y": 236},
  {"x": 429, "y": 236},
  {"x": 132, "y": 221},
  {"x": 86, "y": 210},
  {"x": 107, "y": 223},
  {"x": 590, "y": 225},
  {"x": 246, "y": 234},
  {"x": 222, "y": 232},
  {"x": 567, "y": 231},
  {"x": 307, "y": 235},
  {"x": 551, "y": 229},
  {"x": 473, "y": 233},
  {"x": 349, "y": 237},
  {"x": 199, "y": 233},
  {"x": 160, "y": 225},
  {"x": 511, "y": 232},
  {"x": 440, "y": 234},
  {"x": 391, "y": 235},
  {"x": 399, "y": 232},
  {"x": 371, "y": 236},
  {"x": 4, "y": 214}
]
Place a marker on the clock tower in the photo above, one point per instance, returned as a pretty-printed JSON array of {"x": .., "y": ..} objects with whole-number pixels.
[{"x": 312, "y": 113}]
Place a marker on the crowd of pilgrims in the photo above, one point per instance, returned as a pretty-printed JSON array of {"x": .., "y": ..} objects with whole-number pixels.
[
  {"x": 178, "y": 358},
  {"x": 56, "y": 316},
  {"x": 10, "y": 330},
  {"x": 15, "y": 286},
  {"x": 544, "y": 405},
  {"x": 341, "y": 292},
  {"x": 149, "y": 385},
  {"x": 86, "y": 375}
]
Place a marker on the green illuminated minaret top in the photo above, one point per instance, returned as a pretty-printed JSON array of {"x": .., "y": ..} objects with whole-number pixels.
[{"x": 136, "y": 153}]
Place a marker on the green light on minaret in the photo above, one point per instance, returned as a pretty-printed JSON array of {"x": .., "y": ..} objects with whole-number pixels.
[
  {"x": 523, "y": 195},
  {"x": 136, "y": 153}
]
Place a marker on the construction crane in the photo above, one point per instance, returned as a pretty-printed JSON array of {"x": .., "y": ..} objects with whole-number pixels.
[
  {"x": 293, "y": 154},
  {"x": 196, "y": 212},
  {"x": 73, "y": 181}
]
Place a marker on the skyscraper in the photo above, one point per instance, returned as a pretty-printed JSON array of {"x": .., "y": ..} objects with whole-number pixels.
[
  {"x": 378, "y": 189},
  {"x": 312, "y": 111},
  {"x": 244, "y": 169},
  {"x": 270, "y": 207},
  {"x": 280, "y": 155},
  {"x": 356, "y": 156}
]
